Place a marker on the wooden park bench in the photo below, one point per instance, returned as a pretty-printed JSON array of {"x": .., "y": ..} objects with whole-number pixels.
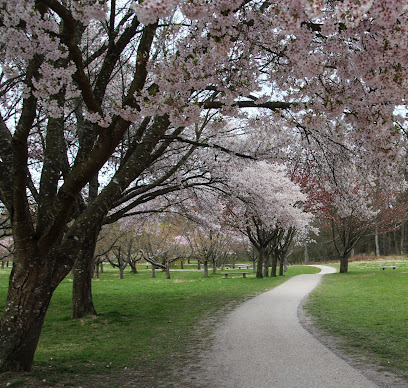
[
  {"x": 234, "y": 273},
  {"x": 388, "y": 266},
  {"x": 243, "y": 266}
]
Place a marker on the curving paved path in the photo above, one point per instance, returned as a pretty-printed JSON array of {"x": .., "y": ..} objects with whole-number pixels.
[{"x": 261, "y": 344}]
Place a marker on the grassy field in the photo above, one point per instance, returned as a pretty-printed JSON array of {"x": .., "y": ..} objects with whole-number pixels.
[
  {"x": 146, "y": 329},
  {"x": 368, "y": 310}
]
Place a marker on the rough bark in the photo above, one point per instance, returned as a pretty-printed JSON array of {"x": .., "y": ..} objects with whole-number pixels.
[
  {"x": 266, "y": 268},
  {"x": 344, "y": 264},
  {"x": 43, "y": 256},
  {"x": 82, "y": 303},
  {"x": 261, "y": 258},
  {"x": 27, "y": 302},
  {"x": 205, "y": 269},
  {"x": 281, "y": 265},
  {"x": 132, "y": 264}
]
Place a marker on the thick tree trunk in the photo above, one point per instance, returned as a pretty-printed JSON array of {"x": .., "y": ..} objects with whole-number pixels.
[
  {"x": 96, "y": 271},
  {"x": 214, "y": 267},
  {"x": 167, "y": 270},
  {"x": 344, "y": 264},
  {"x": 121, "y": 269},
  {"x": 281, "y": 266},
  {"x": 266, "y": 268},
  {"x": 27, "y": 302},
  {"x": 205, "y": 269},
  {"x": 259, "y": 267},
  {"x": 82, "y": 303},
  {"x": 133, "y": 267}
]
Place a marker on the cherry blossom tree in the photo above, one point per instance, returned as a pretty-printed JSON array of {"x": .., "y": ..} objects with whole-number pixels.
[
  {"x": 160, "y": 245},
  {"x": 78, "y": 78},
  {"x": 266, "y": 206},
  {"x": 208, "y": 246},
  {"x": 153, "y": 192}
]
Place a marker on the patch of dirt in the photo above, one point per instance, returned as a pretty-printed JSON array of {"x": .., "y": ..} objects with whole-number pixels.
[{"x": 367, "y": 363}]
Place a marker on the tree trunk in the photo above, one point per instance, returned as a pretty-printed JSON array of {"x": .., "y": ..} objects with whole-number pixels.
[
  {"x": 121, "y": 269},
  {"x": 181, "y": 264},
  {"x": 205, "y": 269},
  {"x": 389, "y": 238},
  {"x": 27, "y": 302},
  {"x": 395, "y": 242},
  {"x": 344, "y": 264},
  {"x": 133, "y": 267},
  {"x": 198, "y": 265},
  {"x": 167, "y": 270},
  {"x": 281, "y": 266},
  {"x": 96, "y": 270},
  {"x": 153, "y": 271},
  {"x": 261, "y": 258},
  {"x": 266, "y": 268},
  {"x": 285, "y": 263},
  {"x": 402, "y": 241},
  {"x": 274, "y": 264},
  {"x": 307, "y": 258},
  {"x": 377, "y": 243},
  {"x": 82, "y": 303}
]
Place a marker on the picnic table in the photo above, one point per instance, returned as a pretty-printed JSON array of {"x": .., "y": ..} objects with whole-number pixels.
[{"x": 234, "y": 273}]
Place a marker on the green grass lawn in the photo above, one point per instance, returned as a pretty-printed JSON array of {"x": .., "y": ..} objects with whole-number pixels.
[
  {"x": 368, "y": 309},
  {"x": 146, "y": 327}
]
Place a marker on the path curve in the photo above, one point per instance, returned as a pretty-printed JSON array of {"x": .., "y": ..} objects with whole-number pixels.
[{"x": 261, "y": 344}]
